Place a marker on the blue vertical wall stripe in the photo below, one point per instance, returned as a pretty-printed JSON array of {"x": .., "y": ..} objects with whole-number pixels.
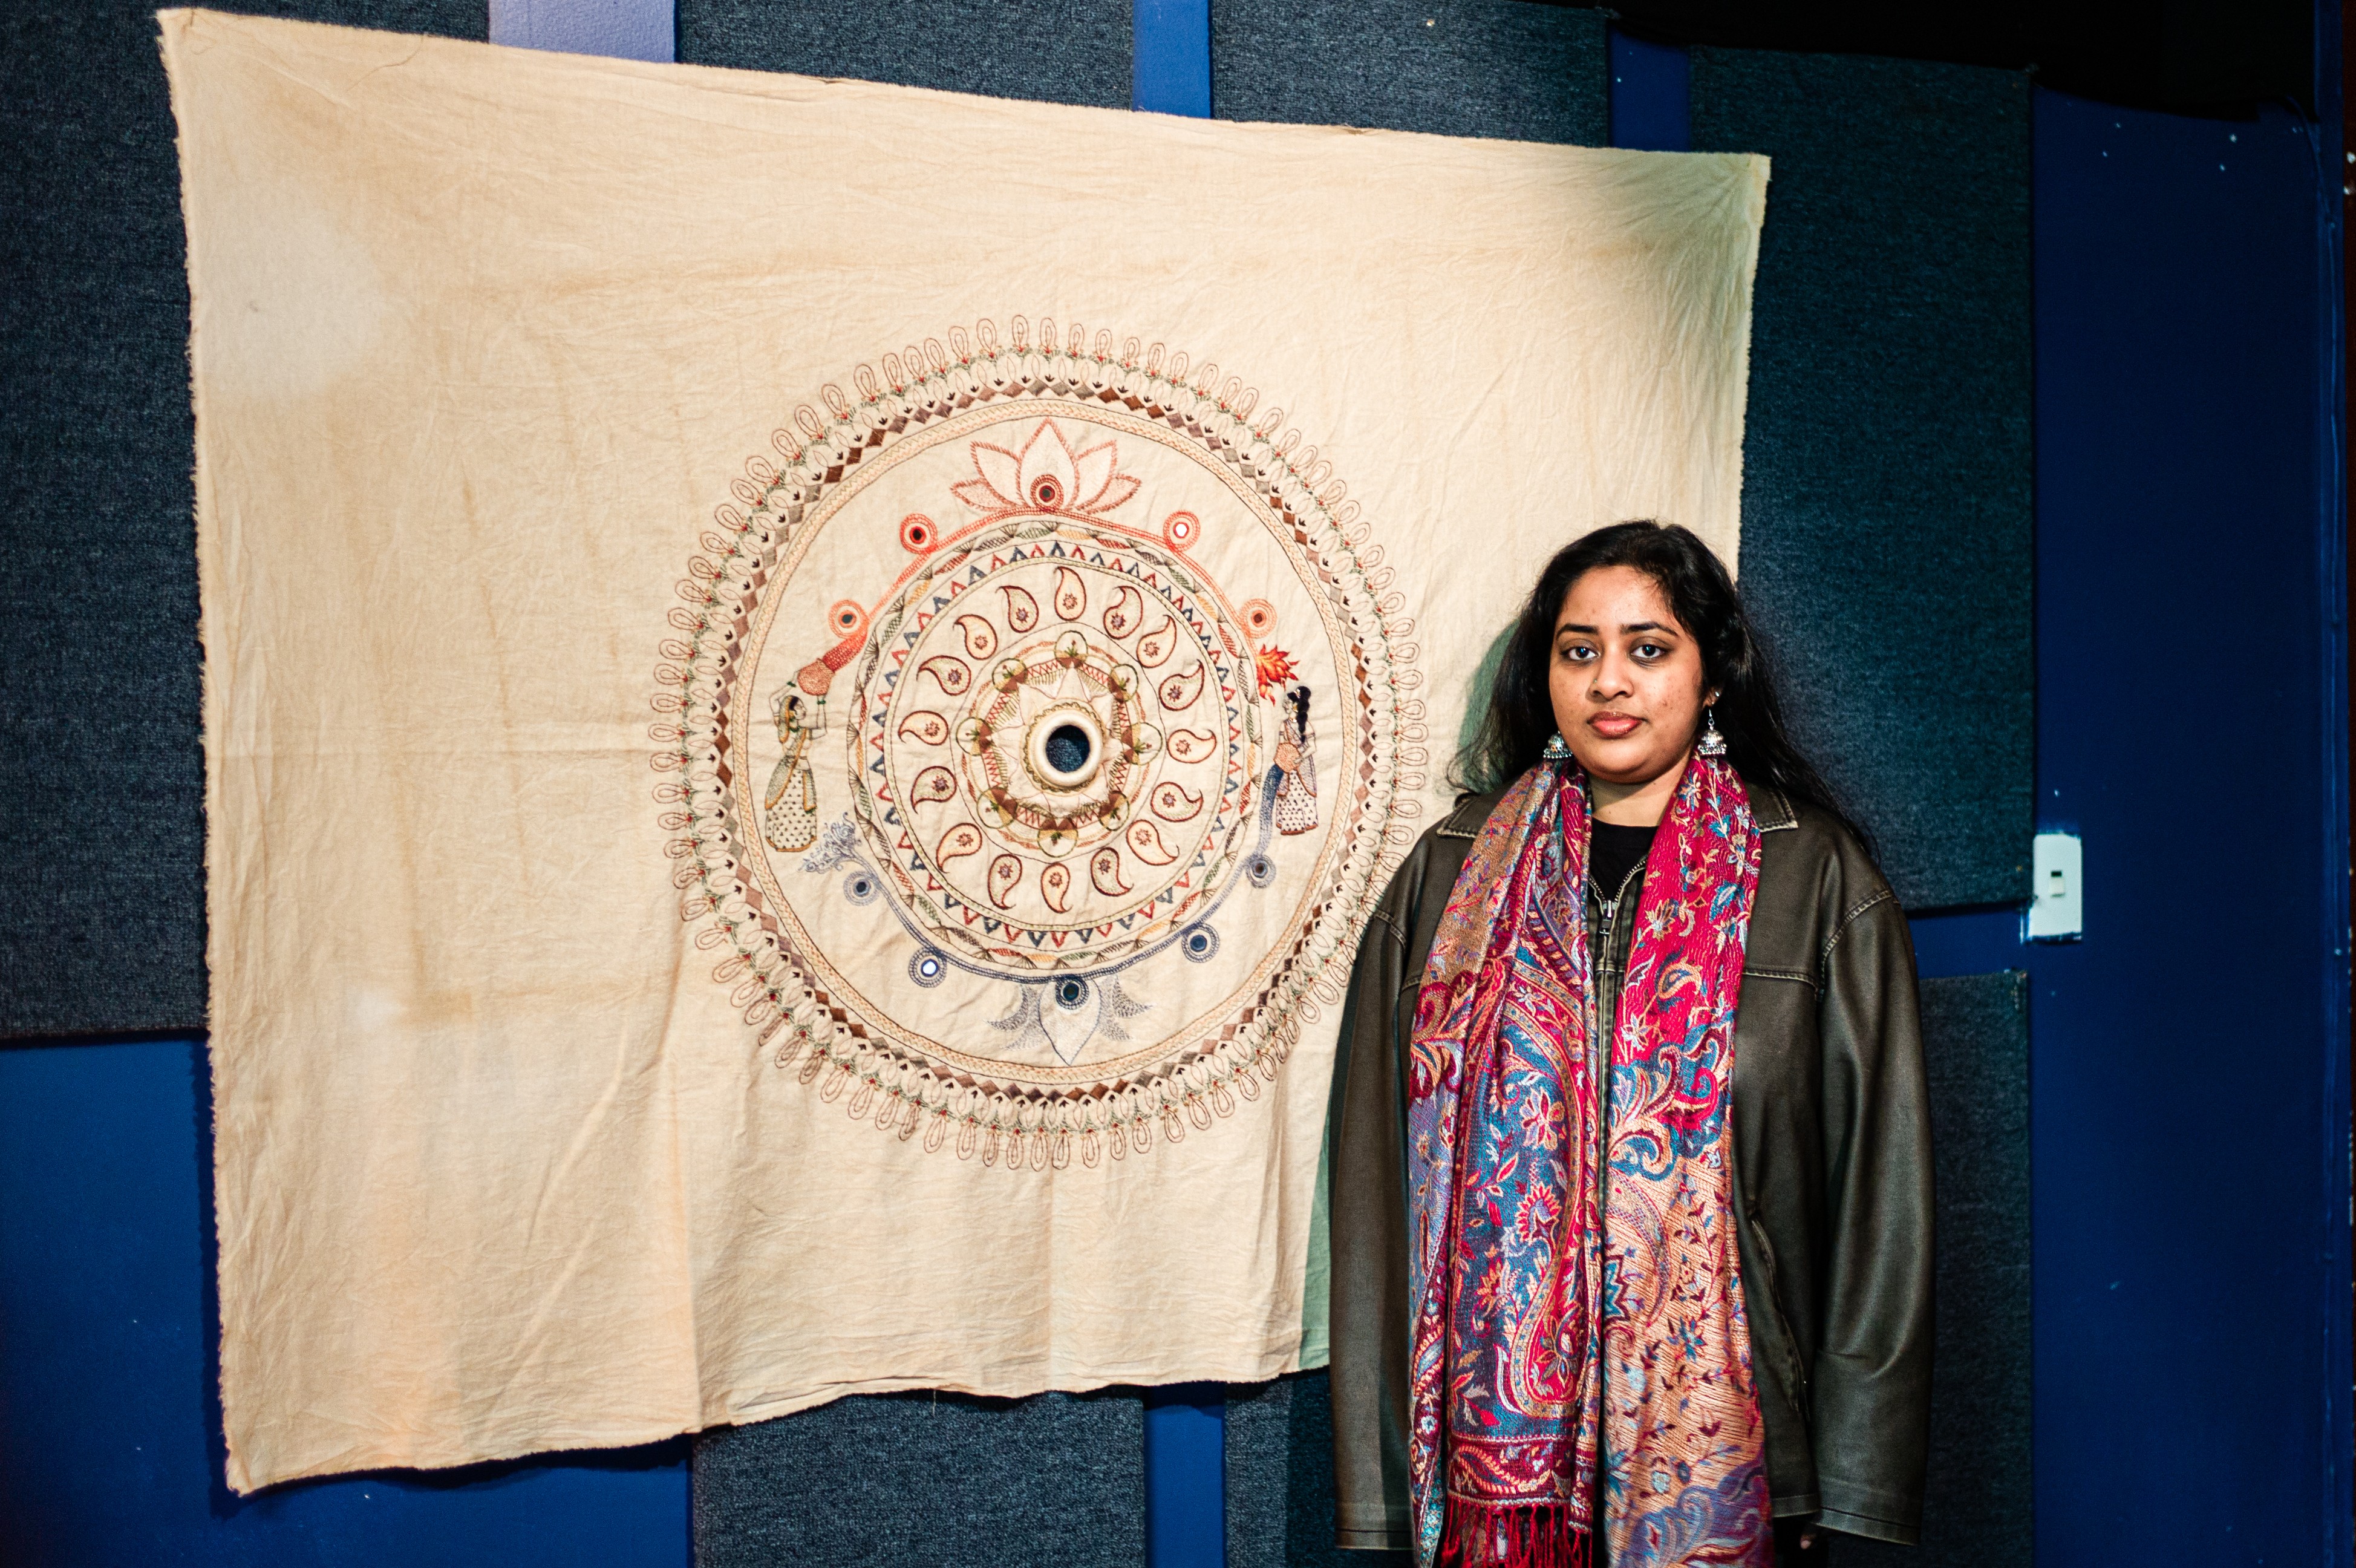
[
  {"x": 626, "y": 29},
  {"x": 1171, "y": 58},
  {"x": 1652, "y": 95},
  {"x": 1185, "y": 1439},
  {"x": 1185, "y": 1476}
]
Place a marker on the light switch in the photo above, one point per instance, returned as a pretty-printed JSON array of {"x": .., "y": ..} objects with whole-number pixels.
[{"x": 2056, "y": 909}]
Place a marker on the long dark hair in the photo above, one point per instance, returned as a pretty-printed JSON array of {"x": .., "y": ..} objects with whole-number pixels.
[{"x": 1513, "y": 732}]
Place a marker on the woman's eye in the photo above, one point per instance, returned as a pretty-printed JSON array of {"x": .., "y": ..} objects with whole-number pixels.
[
  {"x": 1650, "y": 651},
  {"x": 1577, "y": 654}
]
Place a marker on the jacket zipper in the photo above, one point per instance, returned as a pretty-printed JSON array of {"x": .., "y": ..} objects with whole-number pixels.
[
  {"x": 1612, "y": 909},
  {"x": 1612, "y": 922}
]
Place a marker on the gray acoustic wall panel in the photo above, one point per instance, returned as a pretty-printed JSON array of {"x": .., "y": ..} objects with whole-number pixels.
[
  {"x": 101, "y": 765},
  {"x": 895, "y": 1480},
  {"x": 1502, "y": 69},
  {"x": 1063, "y": 51},
  {"x": 1977, "y": 1508},
  {"x": 1885, "y": 499},
  {"x": 1280, "y": 1479}
]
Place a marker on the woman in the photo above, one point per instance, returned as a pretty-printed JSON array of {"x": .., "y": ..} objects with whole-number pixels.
[
  {"x": 789, "y": 806},
  {"x": 1296, "y": 755},
  {"x": 1632, "y": 1167}
]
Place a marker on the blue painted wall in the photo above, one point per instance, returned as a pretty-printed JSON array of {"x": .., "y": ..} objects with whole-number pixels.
[
  {"x": 110, "y": 1424},
  {"x": 2191, "y": 1102}
]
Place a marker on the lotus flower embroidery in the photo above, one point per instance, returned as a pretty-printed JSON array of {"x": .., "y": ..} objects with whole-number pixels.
[{"x": 1046, "y": 476}]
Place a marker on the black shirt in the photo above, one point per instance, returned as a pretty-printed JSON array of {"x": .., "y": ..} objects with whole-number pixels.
[{"x": 1617, "y": 850}]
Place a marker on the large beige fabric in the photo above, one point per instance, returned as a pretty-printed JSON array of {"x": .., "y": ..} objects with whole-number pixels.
[{"x": 805, "y": 682}]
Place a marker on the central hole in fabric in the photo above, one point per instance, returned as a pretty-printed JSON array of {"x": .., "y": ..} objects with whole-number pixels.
[{"x": 1068, "y": 748}]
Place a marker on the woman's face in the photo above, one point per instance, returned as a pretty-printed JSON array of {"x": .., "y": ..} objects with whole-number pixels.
[{"x": 1626, "y": 681}]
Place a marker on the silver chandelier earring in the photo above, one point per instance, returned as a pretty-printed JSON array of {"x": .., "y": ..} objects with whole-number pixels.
[
  {"x": 1557, "y": 749},
  {"x": 1711, "y": 744}
]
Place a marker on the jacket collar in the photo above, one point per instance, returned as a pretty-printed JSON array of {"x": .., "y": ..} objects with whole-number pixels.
[
  {"x": 1471, "y": 810},
  {"x": 1769, "y": 808},
  {"x": 1772, "y": 811}
]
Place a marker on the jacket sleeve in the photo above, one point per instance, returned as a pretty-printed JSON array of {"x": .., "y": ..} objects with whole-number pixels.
[
  {"x": 1368, "y": 1237},
  {"x": 1871, "y": 1386}
]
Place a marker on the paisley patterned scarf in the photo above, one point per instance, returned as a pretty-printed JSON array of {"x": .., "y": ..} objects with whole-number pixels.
[{"x": 1579, "y": 1329}]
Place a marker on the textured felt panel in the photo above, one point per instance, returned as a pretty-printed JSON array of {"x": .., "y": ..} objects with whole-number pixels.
[
  {"x": 1056, "y": 51},
  {"x": 1502, "y": 69},
  {"x": 101, "y": 779},
  {"x": 1886, "y": 513},
  {"x": 1977, "y": 1510},
  {"x": 1057, "y": 1481},
  {"x": 1280, "y": 1479}
]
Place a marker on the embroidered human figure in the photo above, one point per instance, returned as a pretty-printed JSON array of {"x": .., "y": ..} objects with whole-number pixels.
[
  {"x": 1296, "y": 754},
  {"x": 789, "y": 808}
]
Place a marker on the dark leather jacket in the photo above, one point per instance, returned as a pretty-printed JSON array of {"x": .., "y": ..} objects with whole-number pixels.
[{"x": 1832, "y": 1144}]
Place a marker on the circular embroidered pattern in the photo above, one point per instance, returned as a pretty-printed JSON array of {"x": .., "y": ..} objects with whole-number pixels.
[
  {"x": 1063, "y": 735},
  {"x": 1034, "y": 739}
]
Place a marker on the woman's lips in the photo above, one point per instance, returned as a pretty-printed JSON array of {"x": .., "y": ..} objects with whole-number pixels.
[{"x": 1613, "y": 726}]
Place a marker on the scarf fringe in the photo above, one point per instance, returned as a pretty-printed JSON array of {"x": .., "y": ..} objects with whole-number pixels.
[{"x": 1513, "y": 1535}]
